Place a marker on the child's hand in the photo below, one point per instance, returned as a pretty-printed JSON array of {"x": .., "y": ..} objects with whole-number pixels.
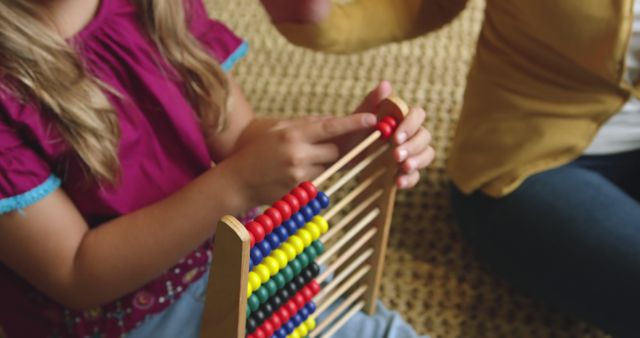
[
  {"x": 291, "y": 152},
  {"x": 297, "y": 11},
  {"x": 413, "y": 150}
]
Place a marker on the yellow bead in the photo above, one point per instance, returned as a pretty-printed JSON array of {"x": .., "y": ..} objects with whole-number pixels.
[
  {"x": 324, "y": 225},
  {"x": 302, "y": 330},
  {"x": 249, "y": 292},
  {"x": 254, "y": 280},
  {"x": 289, "y": 250},
  {"x": 263, "y": 272},
  {"x": 297, "y": 243},
  {"x": 294, "y": 334},
  {"x": 305, "y": 236},
  {"x": 314, "y": 229},
  {"x": 280, "y": 257},
  {"x": 310, "y": 323},
  {"x": 272, "y": 265}
]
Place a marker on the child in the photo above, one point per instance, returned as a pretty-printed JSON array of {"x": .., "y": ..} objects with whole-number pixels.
[{"x": 111, "y": 113}]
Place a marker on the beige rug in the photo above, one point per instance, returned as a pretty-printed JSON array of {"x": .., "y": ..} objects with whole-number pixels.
[{"x": 431, "y": 277}]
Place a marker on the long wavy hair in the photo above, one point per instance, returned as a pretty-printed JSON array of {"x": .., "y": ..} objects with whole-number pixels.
[{"x": 39, "y": 65}]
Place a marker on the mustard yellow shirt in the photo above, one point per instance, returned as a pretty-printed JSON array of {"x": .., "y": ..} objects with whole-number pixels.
[{"x": 546, "y": 75}]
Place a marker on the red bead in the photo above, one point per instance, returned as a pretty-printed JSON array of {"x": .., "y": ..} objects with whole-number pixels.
[
  {"x": 301, "y": 195},
  {"x": 275, "y": 321},
  {"x": 310, "y": 189},
  {"x": 291, "y": 307},
  {"x": 251, "y": 336},
  {"x": 384, "y": 129},
  {"x": 266, "y": 222},
  {"x": 267, "y": 328},
  {"x": 275, "y": 216},
  {"x": 293, "y": 203},
  {"x": 252, "y": 238},
  {"x": 257, "y": 230},
  {"x": 299, "y": 300},
  {"x": 284, "y": 208},
  {"x": 391, "y": 121},
  {"x": 259, "y": 333},
  {"x": 284, "y": 314},
  {"x": 307, "y": 294},
  {"x": 314, "y": 286}
]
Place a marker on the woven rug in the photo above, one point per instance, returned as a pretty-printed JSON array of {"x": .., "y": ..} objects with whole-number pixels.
[{"x": 431, "y": 276}]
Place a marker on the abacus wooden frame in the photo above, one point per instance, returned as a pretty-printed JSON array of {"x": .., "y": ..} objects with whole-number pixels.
[{"x": 225, "y": 305}]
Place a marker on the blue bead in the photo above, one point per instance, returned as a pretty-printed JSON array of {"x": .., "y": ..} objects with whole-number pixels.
[
  {"x": 256, "y": 255},
  {"x": 291, "y": 227},
  {"x": 281, "y": 333},
  {"x": 311, "y": 307},
  {"x": 307, "y": 213},
  {"x": 315, "y": 206},
  {"x": 250, "y": 264},
  {"x": 282, "y": 233},
  {"x": 273, "y": 240},
  {"x": 304, "y": 313},
  {"x": 297, "y": 320},
  {"x": 265, "y": 248},
  {"x": 323, "y": 199},
  {"x": 289, "y": 326},
  {"x": 299, "y": 219}
]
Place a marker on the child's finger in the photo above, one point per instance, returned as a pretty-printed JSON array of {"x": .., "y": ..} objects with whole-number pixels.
[
  {"x": 408, "y": 181},
  {"x": 334, "y": 127},
  {"x": 410, "y": 125},
  {"x": 416, "y": 144},
  {"x": 381, "y": 92},
  {"x": 321, "y": 153},
  {"x": 419, "y": 161}
]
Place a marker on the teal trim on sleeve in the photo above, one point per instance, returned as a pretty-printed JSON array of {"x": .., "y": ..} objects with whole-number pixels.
[
  {"x": 19, "y": 202},
  {"x": 238, "y": 54}
]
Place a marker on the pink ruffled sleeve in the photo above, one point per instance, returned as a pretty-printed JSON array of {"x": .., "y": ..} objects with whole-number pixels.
[{"x": 25, "y": 177}]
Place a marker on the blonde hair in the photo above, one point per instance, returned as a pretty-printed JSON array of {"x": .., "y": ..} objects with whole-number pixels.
[{"x": 38, "y": 65}]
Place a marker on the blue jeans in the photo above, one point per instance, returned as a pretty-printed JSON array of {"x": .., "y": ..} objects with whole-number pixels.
[
  {"x": 182, "y": 320},
  {"x": 569, "y": 236}
]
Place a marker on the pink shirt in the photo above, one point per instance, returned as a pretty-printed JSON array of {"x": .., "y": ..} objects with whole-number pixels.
[{"x": 161, "y": 149}]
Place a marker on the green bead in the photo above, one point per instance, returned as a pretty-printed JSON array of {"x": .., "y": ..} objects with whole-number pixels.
[
  {"x": 296, "y": 265},
  {"x": 280, "y": 279},
  {"x": 304, "y": 259},
  {"x": 271, "y": 287},
  {"x": 263, "y": 294},
  {"x": 248, "y": 312},
  {"x": 254, "y": 302},
  {"x": 318, "y": 246},
  {"x": 288, "y": 272},
  {"x": 311, "y": 252}
]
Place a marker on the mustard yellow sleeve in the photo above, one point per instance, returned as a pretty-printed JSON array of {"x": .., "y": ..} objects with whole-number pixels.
[{"x": 363, "y": 24}]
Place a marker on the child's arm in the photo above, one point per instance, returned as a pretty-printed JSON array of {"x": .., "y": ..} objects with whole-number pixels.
[
  {"x": 52, "y": 247},
  {"x": 359, "y": 24}
]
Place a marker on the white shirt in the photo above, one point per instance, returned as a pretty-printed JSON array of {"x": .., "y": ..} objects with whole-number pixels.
[{"x": 622, "y": 131}]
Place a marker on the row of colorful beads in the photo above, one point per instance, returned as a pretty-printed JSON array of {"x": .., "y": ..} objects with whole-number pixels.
[{"x": 286, "y": 253}]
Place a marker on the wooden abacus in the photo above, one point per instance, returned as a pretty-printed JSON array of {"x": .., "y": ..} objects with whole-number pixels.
[{"x": 263, "y": 280}]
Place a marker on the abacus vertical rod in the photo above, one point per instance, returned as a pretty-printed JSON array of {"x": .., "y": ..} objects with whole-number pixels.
[
  {"x": 347, "y": 158},
  {"x": 343, "y": 306},
  {"x": 322, "y": 306},
  {"x": 343, "y": 274},
  {"x": 350, "y": 216},
  {"x": 353, "y": 194},
  {"x": 343, "y": 320},
  {"x": 348, "y": 236},
  {"x": 355, "y": 170}
]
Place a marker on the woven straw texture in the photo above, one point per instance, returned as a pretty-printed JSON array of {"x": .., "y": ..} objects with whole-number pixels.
[{"x": 431, "y": 276}]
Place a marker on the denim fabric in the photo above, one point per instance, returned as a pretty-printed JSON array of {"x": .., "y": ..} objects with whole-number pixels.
[{"x": 569, "y": 236}]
